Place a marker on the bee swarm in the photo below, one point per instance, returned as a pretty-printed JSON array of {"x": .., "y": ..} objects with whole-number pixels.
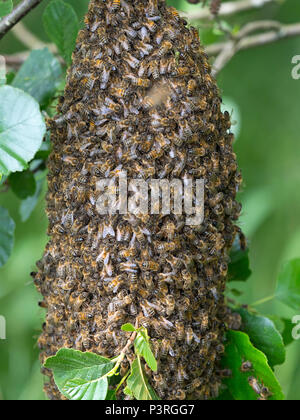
[{"x": 140, "y": 98}]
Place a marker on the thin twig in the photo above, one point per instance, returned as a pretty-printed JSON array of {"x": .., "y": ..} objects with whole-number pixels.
[
  {"x": 229, "y": 8},
  {"x": 226, "y": 50},
  {"x": 28, "y": 39},
  {"x": 16, "y": 15}
]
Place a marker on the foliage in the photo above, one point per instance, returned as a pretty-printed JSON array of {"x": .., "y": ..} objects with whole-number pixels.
[
  {"x": 21, "y": 129},
  {"x": 87, "y": 376},
  {"x": 7, "y": 229},
  {"x": 39, "y": 76},
  {"x": 6, "y": 7},
  {"x": 238, "y": 350},
  {"x": 61, "y": 25}
]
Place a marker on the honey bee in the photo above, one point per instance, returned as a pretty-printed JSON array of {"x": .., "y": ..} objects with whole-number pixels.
[
  {"x": 180, "y": 331},
  {"x": 166, "y": 46},
  {"x": 148, "y": 309},
  {"x": 179, "y": 394},
  {"x": 132, "y": 61},
  {"x": 119, "y": 92},
  {"x": 181, "y": 71},
  {"x": 204, "y": 323},
  {"x": 148, "y": 280},
  {"x": 128, "y": 253},
  {"x": 159, "y": 380},
  {"x": 265, "y": 394},
  {"x": 115, "y": 283},
  {"x": 137, "y": 81},
  {"x": 143, "y": 48},
  {"x": 133, "y": 309},
  {"x": 253, "y": 382},
  {"x": 85, "y": 339},
  {"x": 246, "y": 366},
  {"x": 196, "y": 383},
  {"x": 181, "y": 374},
  {"x": 152, "y": 8},
  {"x": 192, "y": 85},
  {"x": 167, "y": 246},
  {"x": 170, "y": 304},
  {"x": 124, "y": 368},
  {"x": 189, "y": 336},
  {"x": 148, "y": 102},
  {"x": 76, "y": 300},
  {"x": 124, "y": 42},
  {"x": 154, "y": 69},
  {"x": 151, "y": 25},
  {"x": 115, "y": 5},
  {"x": 149, "y": 265}
]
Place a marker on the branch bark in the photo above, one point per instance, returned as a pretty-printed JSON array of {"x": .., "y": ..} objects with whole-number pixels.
[
  {"x": 226, "y": 50},
  {"x": 16, "y": 15},
  {"x": 230, "y": 8}
]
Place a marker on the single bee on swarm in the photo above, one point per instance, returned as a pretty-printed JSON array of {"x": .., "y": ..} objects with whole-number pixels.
[{"x": 139, "y": 98}]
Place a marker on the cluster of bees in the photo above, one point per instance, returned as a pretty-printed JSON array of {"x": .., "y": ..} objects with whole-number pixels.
[{"x": 139, "y": 98}]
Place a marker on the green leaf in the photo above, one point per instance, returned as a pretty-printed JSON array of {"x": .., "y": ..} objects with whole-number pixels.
[
  {"x": 128, "y": 328},
  {"x": 22, "y": 129},
  {"x": 39, "y": 76},
  {"x": 142, "y": 347},
  {"x": 239, "y": 266},
  {"x": 45, "y": 149},
  {"x": 23, "y": 184},
  {"x": 127, "y": 391},
  {"x": 7, "y": 235},
  {"x": 288, "y": 284},
  {"x": 80, "y": 376},
  {"x": 264, "y": 336},
  {"x": 6, "y": 7},
  {"x": 62, "y": 25},
  {"x": 285, "y": 327},
  {"x": 27, "y": 206},
  {"x": 111, "y": 395},
  {"x": 238, "y": 350},
  {"x": 138, "y": 384}
]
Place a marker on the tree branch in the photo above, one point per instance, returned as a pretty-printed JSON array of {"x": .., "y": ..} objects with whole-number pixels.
[
  {"x": 226, "y": 50},
  {"x": 227, "y": 9},
  {"x": 16, "y": 15}
]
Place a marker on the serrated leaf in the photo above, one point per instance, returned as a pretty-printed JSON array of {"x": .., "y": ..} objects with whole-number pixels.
[
  {"x": 80, "y": 376},
  {"x": 39, "y": 76},
  {"x": 6, "y": 7},
  {"x": 142, "y": 347},
  {"x": 23, "y": 184},
  {"x": 137, "y": 383},
  {"x": 22, "y": 129},
  {"x": 128, "y": 328},
  {"x": 288, "y": 284},
  {"x": 238, "y": 350},
  {"x": 62, "y": 25},
  {"x": 7, "y": 235},
  {"x": 239, "y": 266},
  {"x": 264, "y": 336}
]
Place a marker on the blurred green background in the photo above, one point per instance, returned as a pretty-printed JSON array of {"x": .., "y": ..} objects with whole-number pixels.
[{"x": 259, "y": 84}]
